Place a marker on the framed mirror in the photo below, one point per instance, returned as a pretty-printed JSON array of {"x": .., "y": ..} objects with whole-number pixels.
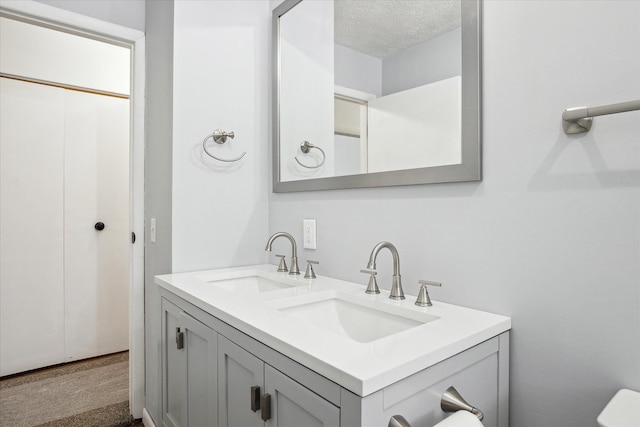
[{"x": 376, "y": 93}]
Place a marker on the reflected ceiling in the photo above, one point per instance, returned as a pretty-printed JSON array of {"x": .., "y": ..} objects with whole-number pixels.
[{"x": 404, "y": 23}]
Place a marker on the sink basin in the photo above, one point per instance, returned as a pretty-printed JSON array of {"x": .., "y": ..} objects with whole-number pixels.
[
  {"x": 359, "y": 320},
  {"x": 250, "y": 284}
]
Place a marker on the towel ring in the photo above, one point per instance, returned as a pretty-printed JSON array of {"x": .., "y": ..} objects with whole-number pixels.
[
  {"x": 220, "y": 137},
  {"x": 305, "y": 147}
]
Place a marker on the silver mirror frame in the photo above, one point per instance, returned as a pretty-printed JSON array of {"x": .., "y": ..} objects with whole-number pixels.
[{"x": 470, "y": 169}]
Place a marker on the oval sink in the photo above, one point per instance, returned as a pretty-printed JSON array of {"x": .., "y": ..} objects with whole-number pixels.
[{"x": 360, "y": 320}]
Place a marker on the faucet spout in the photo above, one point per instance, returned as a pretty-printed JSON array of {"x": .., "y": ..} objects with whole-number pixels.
[
  {"x": 396, "y": 286},
  {"x": 294, "y": 250}
]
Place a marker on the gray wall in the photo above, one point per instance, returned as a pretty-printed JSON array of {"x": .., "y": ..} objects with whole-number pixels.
[
  {"x": 158, "y": 182},
  {"x": 128, "y": 13},
  {"x": 358, "y": 71},
  {"x": 431, "y": 61},
  {"x": 551, "y": 236}
]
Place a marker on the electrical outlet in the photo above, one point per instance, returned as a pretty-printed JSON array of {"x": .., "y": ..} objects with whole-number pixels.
[{"x": 309, "y": 233}]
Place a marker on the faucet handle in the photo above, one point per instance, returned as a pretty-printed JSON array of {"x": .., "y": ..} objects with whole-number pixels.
[
  {"x": 283, "y": 264},
  {"x": 309, "y": 273},
  {"x": 423, "y": 299},
  {"x": 372, "y": 287}
]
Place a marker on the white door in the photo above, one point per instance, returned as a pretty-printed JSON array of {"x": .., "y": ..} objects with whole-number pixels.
[
  {"x": 31, "y": 226},
  {"x": 65, "y": 167},
  {"x": 96, "y": 262}
]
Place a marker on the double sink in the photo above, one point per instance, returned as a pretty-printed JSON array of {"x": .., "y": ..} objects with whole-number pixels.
[{"x": 361, "y": 341}]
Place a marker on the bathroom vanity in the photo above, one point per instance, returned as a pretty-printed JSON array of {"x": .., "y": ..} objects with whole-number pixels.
[{"x": 250, "y": 346}]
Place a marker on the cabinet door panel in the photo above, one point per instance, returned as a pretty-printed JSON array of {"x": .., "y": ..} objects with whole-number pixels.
[
  {"x": 238, "y": 371},
  {"x": 174, "y": 368},
  {"x": 293, "y": 405},
  {"x": 202, "y": 371}
]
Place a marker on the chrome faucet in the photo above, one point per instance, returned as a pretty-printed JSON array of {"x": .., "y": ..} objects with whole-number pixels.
[
  {"x": 294, "y": 250},
  {"x": 396, "y": 286}
]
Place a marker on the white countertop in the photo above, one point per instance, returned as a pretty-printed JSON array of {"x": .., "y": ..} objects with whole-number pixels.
[{"x": 362, "y": 368}]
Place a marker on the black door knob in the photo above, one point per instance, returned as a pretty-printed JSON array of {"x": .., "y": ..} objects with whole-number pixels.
[{"x": 99, "y": 226}]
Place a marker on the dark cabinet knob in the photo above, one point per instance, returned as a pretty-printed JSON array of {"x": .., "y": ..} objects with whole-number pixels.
[{"x": 99, "y": 226}]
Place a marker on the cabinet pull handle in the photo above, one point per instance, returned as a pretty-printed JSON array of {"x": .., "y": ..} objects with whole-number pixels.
[
  {"x": 265, "y": 402},
  {"x": 255, "y": 398},
  {"x": 179, "y": 339}
]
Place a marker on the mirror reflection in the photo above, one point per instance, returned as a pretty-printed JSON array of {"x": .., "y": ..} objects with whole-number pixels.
[{"x": 372, "y": 86}]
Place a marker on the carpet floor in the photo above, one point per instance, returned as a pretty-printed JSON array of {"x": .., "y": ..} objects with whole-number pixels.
[{"x": 87, "y": 393}]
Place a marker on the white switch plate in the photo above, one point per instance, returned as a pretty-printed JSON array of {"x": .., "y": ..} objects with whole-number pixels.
[
  {"x": 309, "y": 233},
  {"x": 152, "y": 230}
]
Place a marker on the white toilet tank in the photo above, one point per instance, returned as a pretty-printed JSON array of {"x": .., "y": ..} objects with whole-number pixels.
[{"x": 623, "y": 410}]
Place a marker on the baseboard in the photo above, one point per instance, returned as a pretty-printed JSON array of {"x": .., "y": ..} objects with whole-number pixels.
[{"x": 146, "y": 419}]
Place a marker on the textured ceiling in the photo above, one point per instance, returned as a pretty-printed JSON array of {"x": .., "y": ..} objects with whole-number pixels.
[{"x": 382, "y": 27}]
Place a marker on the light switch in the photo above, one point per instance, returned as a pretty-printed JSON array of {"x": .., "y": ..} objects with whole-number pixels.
[
  {"x": 152, "y": 230},
  {"x": 309, "y": 233}
]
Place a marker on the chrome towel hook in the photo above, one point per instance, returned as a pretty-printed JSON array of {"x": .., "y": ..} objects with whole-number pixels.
[
  {"x": 305, "y": 147},
  {"x": 220, "y": 137}
]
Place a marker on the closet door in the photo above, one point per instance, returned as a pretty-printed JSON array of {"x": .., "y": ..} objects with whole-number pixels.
[
  {"x": 31, "y": 226},
  {"x": 96, "y": 191}
]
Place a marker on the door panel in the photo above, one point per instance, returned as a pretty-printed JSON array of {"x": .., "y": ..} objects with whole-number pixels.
[
  {"x": 65, "y": 165},
  {"x": 31, "y": 226},
  {"x": 96, "y": 190},
  {"x": 238, "y": 371},
  {"x": 201, "y": 344},
  {"x": 174, "y": 367},
  {"x": 293, "y": 405}
]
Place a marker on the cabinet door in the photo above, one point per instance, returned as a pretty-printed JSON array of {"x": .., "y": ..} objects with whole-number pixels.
[
  {"x": 174, "y": 369},
  {"x": 189, "y": 358},
  {"x": 201, "y": 347},
  {"x": 293, "y": 405},
  {"x": 238, "y": 372}
]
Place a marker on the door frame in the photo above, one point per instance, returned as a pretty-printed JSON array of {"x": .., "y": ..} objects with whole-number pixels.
[{"x": 52, "y": 17}]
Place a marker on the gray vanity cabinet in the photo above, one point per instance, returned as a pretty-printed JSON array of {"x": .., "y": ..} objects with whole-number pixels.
[
  {"x": 254, "y": 394},
  {"x": 214, "y": 375},
  {"x": 189, "y": 369}
]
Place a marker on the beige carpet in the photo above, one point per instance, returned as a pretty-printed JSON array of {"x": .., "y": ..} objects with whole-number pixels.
[{"x": 88, "y": 393}]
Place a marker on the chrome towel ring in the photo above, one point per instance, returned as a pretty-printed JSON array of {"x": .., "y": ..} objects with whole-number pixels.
[
  {"x": 220, "y": 137},
  {"x": 305, "y": 147}
]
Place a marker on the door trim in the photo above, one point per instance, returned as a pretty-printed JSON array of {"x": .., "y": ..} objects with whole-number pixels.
[{"x": 52, "y": 17}]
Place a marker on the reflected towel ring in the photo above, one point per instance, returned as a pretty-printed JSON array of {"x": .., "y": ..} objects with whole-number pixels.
[
  {"x": 305, "y": 147},
  {"x": 220, "y": 137}
]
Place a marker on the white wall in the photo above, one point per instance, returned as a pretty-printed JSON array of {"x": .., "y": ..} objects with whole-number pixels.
[
  {"x": 415, "y": 128},
  {"x": 88, "y": 63},
  {"x": 128, "y": 13},
  {"x": 551, "y": 236},
  {"x": 220, "y": 80}
]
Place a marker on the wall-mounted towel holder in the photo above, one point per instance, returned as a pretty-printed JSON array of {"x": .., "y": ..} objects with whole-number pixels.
[
  {"x": 580, "y": 119},
  {"x": 220, "y": 137},
  {"x": 305, "y": 147}
]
